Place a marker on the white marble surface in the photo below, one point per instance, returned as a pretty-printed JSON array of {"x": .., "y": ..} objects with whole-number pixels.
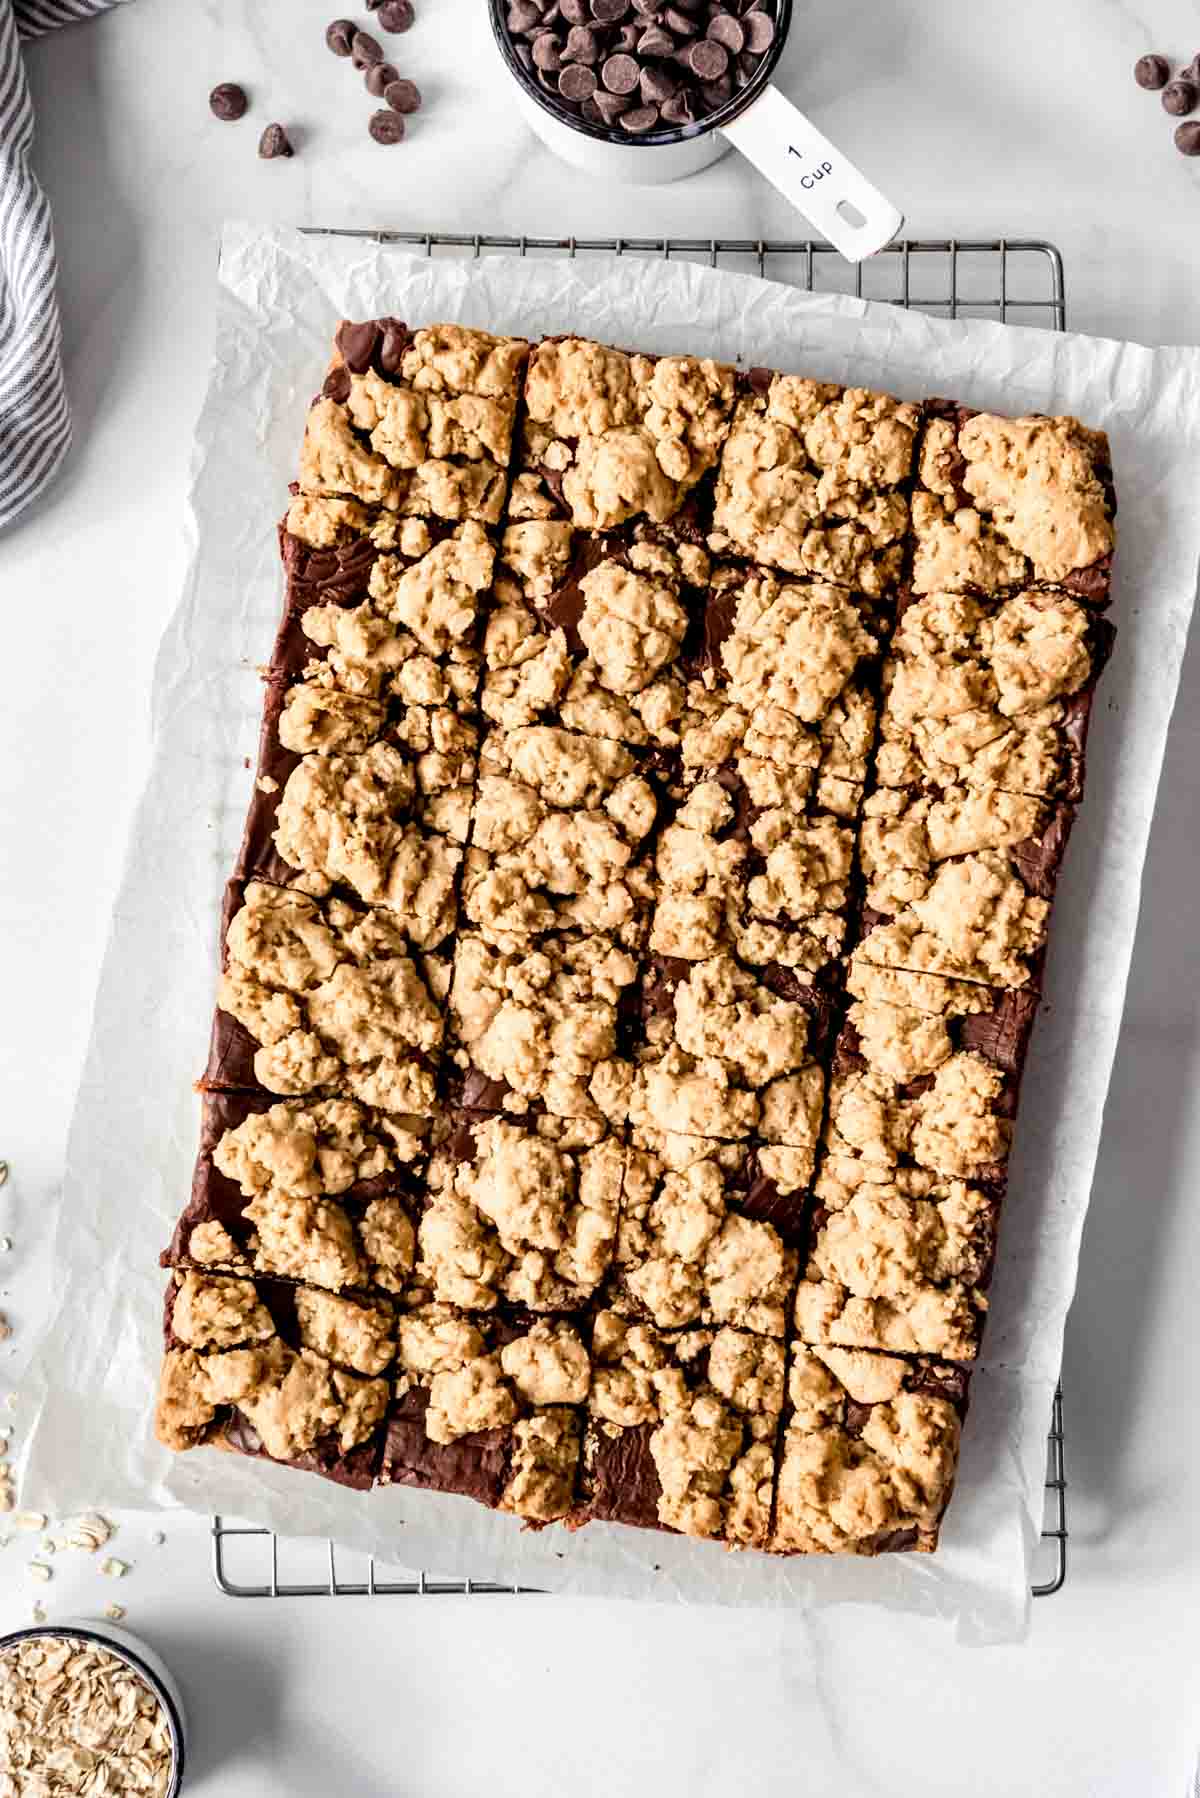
[{"x": 1020, "y": 119}]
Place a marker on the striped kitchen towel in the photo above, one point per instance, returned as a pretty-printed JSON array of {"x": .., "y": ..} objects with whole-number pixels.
[{"x": 35, "y": 421}]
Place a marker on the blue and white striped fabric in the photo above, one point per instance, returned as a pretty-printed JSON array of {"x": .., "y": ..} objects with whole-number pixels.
[{"x": 35, "y": 421}]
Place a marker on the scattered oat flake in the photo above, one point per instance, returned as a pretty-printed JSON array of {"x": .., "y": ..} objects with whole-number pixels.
[
  {"x": 158, "y": 1538},
  {"x": 113, "y": 1568},
  {"x": 39, "y": 1613},
  {"x": 5, "y": 1245},
  {"x": 11, "y": 1400},
  {"x": 114, "y": 1612},
  {"x": 38, "y": 1570},
  {"x": 89, "y": 1532},
  {"x": 29, "y": 1520},
  {"x": 3, "y": 1172},
  {"x": 49, "y": 1545}
]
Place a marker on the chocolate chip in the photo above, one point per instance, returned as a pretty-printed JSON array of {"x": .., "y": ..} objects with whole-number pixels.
[
  {"x": 392, "y": 345},
  {"x": 657, "y": 86},
  {"x": 1187, "y": 138},
  {"x": 627, "y": 37},
  {"x": 575, "y": 12},
  {"x": 275, "y": 142},
  {"x": 609, "y": 12},
  {"x": 228, "y": 100},
  {"x": 1179, "y": 97},
  {"x": 708, "y": 60},
  {"x": 396, "y": 15},
  {"x": 610, "y": 106},
  {"x": 337, "y": 385},
  {"x": 760, "y": 32},
  {"x": 1151, "y": 71},
  {"x": 642, "y": 118},
  {"x": 679, "y": 22},
  {"x": 717, "y": 92},
  {"x": 403, "y": 96},
  {"x": 577, "y": 82},
  {"x": 655, "y": 42},
  {"x": 365, "y": 50},
  {"x": 356, "y": 344},
  {"x": 523, "y": 17},
  {"x": 724, "y": 29},
  {"x": 647, "y": 8},
  {"x": 386, "y": 126},
  {"x": 678, "y": 110},
  {"x": 379, "y": 77},
  {"x": 547, "y": 52},
  {"x": 1191, "y": 72},
  {"x": 582, "y": 46},
  {"x": 620, "y": 74},
  {"x": 339, "y": 36}
]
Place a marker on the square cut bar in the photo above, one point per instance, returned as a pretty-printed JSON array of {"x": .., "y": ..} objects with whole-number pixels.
[
  {"x": 325, "y": 1192},
  {"x": 959, "y": 881},
  {"x": 814, "y": 479},
  {"x": 694, "y": 1245},
  {"x": 319, "y": 997},
  {"x": 992, "y": 692},
  {"x": 869, "y": 1452},
  {"x": 1012, "y": 502},
  {"x": 607, "y": 438},
  {"x": 524, "y": 1213},
  {"x": 263, "y": 1368},
  {"x": 681, "y": 1430},
  {"x": 415, "y": 422},
  {"x": 489, "y": 1407},
  {"x": 926, "y": 1074},
  {"x": 729, "y": 1054},
  {"x": 545, "y": 1025}
]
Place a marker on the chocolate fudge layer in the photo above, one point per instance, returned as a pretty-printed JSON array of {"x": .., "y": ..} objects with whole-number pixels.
[
  {"x": 489, "y": 1408},
  {"x": 321, "y": 997},
  {"x": 1002, "y": 503},
  {"x": 989, "y": 693},
  {"x": 416, "y": 422},
  {"x": 524, "y": 1212},
  {"x": 608, "y": 437},
  {"x": 814, "y": 479},
  {"x": 681, "y": 1430},
  {"x": 324, "y": 1192},
  {"x": 869, "y": 1455},
  {"x": 267, "y": 1370}
]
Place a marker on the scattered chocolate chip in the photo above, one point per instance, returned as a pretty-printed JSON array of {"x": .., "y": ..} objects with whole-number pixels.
[
  {"x": 620, "y": 74},
  {"x": 392, "y": 345},
  {"x": 1151, "y": 71},
  {"x": 1187, "y": 138},
  {"x": 379, "y": 78},
  {"x": 760, "y": 32},
  {"x": 403, "y": 96},
  {"x": 642, "y": 118},
  {"x": 336, "y": 385},
  {"x": 386, "y": 126},
  {"x": 228, "y": 100},
  {"x": 577, "y": 82},
  {"x": 275, "y": 142},
  {"x": 356, "y": 344},
  {"x": 708, "y": 60},
  {"x": 582, "y": 46},
  {"x": 726, "y": 30},
  {"x": 396, "y": 15},
  {"x": 1179, "y": 97},
  {"x": 339, "y": 36},
  {"x": 365, "y": 50}
]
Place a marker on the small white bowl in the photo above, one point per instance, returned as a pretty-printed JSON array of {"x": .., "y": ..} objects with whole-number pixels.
[{"x": 141, "y": 1659}]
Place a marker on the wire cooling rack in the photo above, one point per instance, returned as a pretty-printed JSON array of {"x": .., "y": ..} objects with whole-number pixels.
[{"x": 1008, "y": 279}]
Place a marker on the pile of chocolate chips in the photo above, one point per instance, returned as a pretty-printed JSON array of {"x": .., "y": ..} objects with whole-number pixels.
[
  {"x": 1179, "y": 95},
  {"x": 382, "y": 79},
  {"x": 641, "y": 65}
]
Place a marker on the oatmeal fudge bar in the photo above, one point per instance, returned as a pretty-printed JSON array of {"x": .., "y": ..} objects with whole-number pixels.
[
  {"x": 263, "y": 1368},
  {"x": 544, "y": 1025},
  {"x": 870, "y": 1451},
  {"x": 415, "y": 422},
  {"x": 814, "y": 479},
  {"x": 322, "y": 1192},
  {"x": 607, "y": 437},
  {"x": 1004, "y": 503},
  {"x": 991, "y": 692},
  {"x": 681, "y": 1430},
  {"x": 693, "y": 1246},
  {"x": 490, "y": 1408},
  {"x": 521, "y": 1212},
  {"x": 322, "y": 997}
]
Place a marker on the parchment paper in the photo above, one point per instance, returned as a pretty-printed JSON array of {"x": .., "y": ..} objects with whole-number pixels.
[{"x": 135, "y": 1127}]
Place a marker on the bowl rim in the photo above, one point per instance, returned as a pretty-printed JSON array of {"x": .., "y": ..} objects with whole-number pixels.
[
  {"x": 131, "y": 1655},
  {"x": 648, "y": 140}
]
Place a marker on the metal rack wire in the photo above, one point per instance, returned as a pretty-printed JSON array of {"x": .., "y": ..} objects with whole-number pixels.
[{"x": 1006, "y": 279}]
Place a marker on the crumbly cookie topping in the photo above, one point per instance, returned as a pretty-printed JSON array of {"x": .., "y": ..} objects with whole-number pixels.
[{"x": 292, "y": 1399}]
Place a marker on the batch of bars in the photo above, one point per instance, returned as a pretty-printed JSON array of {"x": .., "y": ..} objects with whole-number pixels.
[{"x": 636, "y": 938}]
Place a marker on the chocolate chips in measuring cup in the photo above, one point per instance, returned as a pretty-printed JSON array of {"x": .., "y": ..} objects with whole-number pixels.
[{"x": 638, "y": 65}]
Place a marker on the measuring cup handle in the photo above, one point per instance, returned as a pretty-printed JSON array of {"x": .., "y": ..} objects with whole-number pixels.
[{"x": 820, "y": 182}]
